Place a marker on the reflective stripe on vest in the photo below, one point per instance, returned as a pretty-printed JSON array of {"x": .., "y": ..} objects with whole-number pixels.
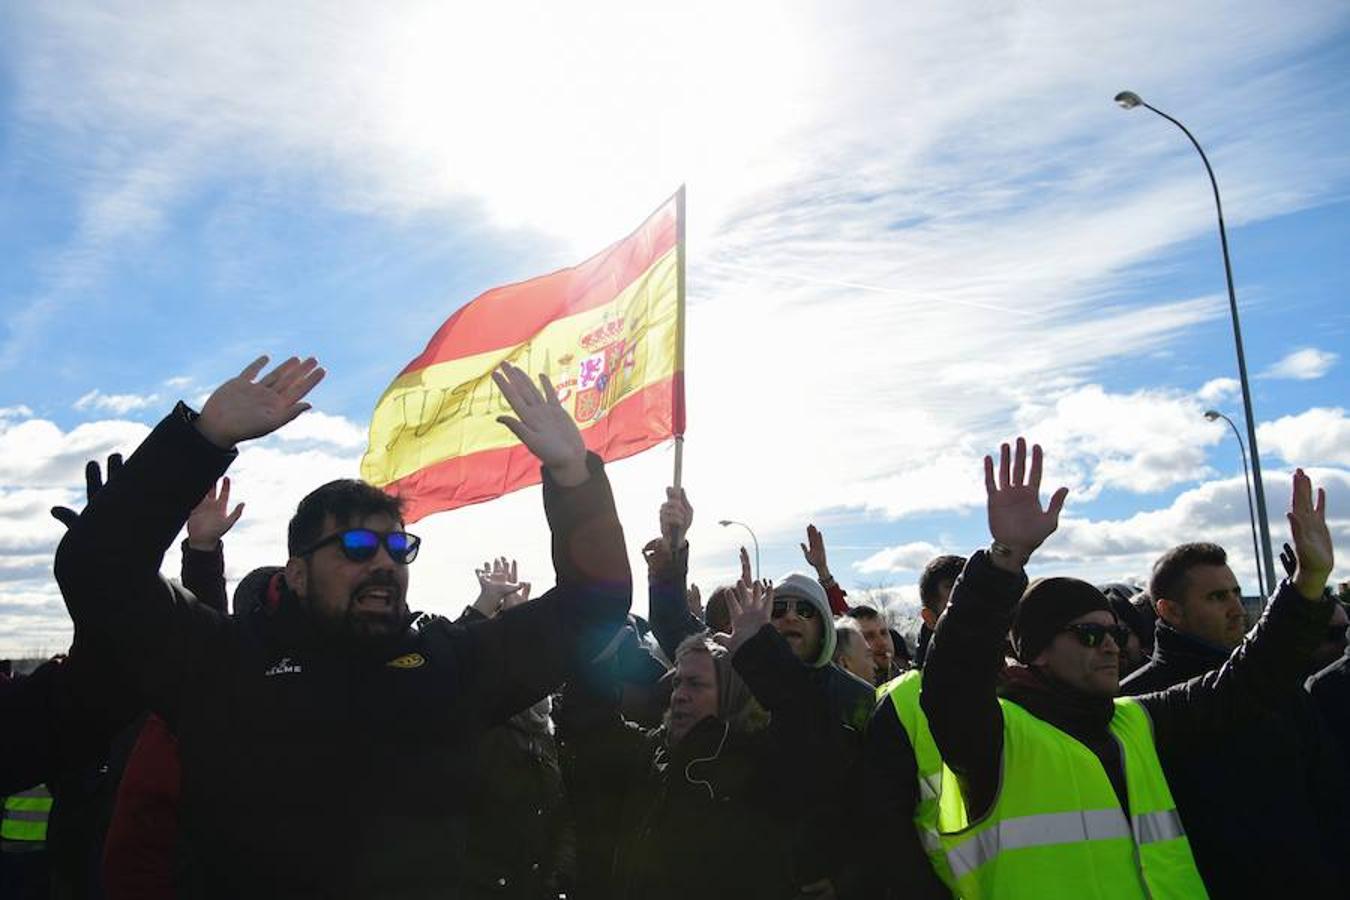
[
  {"x": 904, "y": 695},
  {"x": 1057, "y": 826},
  {"x": 26, "y": 814}
]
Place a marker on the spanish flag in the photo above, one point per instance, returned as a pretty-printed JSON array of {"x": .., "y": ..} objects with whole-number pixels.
[{"x": 609, "y": 333}]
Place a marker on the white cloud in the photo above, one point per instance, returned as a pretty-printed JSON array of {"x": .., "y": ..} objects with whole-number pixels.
[
  {"x": 977, "y": 170},
  {"x": 36, "y": 453},
  {"x": 910, "y": 557},
  {"x": 1143, "y": 441},
  {"x": 1319, "y": 436},
  {"x": 1306, "y": 364},
  {"x": 1110, "y": 549},
  {"x": 323, "y": 428},
  {"x": 178, "y": 382},
  {"x": 117, "y": 404},
  {"x": 1218, "y": 389}
]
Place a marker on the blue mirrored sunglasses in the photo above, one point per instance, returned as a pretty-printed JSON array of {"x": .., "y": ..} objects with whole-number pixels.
[{"x": 361, "y": 544}]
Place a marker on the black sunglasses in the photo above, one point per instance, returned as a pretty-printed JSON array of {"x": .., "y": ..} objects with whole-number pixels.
[
  {"x": 361, "y": 544},
  {"x": 804, "y": 609},
  {"x": 1090, "y": 634}
]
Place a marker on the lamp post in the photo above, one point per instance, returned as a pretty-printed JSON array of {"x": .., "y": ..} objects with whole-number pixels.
[
  {"x": 1129, "y": 100},
  {"x": 725, "y": 522},
  {"x": 1213, "y": 414}
]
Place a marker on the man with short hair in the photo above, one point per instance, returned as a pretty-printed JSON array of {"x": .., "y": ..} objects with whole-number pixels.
[
  {"x": 325, "y": 744},
  {"x": 878, "y": 637},
  {"x": 851, "y": 652},
  {"x": 1200, "y": 617},
  {"x": 1200, "y": 622},
  {"x": 935, "y": 587},
  {"x": 1060, "y": 788}
]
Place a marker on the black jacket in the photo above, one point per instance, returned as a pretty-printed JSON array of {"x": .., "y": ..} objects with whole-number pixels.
[
  {"x": 1193, "y": 722},
  {"x": 1176, "y": 657},
  {"x": 896, "y": 866},
  {"x": 1289, "y": 737},
  {"x": 1330, "y": 690},
  {"x": 721, "y": 814},
  {"x": 849, "y": 698},
  {"x": 312, "y": 769},
  {"x": 519, "y": 842}
]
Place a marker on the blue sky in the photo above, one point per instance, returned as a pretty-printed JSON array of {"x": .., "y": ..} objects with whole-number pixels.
[{"x": 913, "y": 232}]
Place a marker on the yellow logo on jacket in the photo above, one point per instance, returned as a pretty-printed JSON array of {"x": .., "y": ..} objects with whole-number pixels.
[{"x": 407, "y": 661}]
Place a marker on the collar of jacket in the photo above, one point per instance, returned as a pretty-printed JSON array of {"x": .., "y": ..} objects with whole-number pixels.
[
  {"x": 289, "y": 627},
  {"x": 1185, "y": 654},
  {"x": 1079, "y": 715},
  {"x": 706, "y": 739}
]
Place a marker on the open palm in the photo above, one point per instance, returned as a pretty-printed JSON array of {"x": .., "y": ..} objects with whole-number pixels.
[{"x": 1016, "y": 518}]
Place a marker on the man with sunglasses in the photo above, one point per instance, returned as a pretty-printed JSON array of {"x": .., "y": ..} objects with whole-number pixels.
[
  {"x": 1060, "y": 790},
  {"x": 326, "y": 738}
]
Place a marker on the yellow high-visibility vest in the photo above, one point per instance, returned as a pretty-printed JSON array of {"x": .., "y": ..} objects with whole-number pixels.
[
  {"x": 26, "y": 814},
  {"x": 903, "y": 693},
  {"x": 1057, "y": 828}
]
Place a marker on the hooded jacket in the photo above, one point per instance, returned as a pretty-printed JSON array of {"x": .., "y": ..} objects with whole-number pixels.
[
  {"x": 720, "y": 813},
  {"x": 312, "y": 768}
]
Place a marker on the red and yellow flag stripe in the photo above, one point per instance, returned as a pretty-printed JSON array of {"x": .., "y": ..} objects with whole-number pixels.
[{"x": 607, "y": 334}]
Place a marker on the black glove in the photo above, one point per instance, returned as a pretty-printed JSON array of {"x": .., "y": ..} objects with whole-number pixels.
[{"x": 93, "y": 483}]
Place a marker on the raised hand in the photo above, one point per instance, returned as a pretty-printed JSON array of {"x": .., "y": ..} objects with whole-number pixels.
[
  {"x": 242, "y": 409},
  {"x": 517, "y": 597},
  {"x": 1288, "y": 560},
  {"x": 693, "y": 600},
  {"x": 93, "y": 483},
  {"x": 543, "y": 425},
  {"x": 1016, "y": 519},
  {"x": 749, "y": 605},
  {"x": 211, "y": 518},
  {"x": 676, "y": 517},
  {"x": 1313, "y": 554},
  {"x": 814, "y": 551},
  {"x": 746, "y": 575},
  {"x": 496, "y": 581}
]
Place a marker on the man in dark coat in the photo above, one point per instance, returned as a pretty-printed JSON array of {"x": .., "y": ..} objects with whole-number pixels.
[
  {"x": 324, "y": 755},
  {"x": 1200, "y": 623}
]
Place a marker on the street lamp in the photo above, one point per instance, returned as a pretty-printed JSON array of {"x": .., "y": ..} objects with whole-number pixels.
[
  {"x": 1129, "y": 100},
  {"x": 1213, "y": 414},
  {"x": 725, "y": 522}
]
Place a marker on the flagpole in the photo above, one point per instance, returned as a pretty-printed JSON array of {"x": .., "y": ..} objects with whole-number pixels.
[{"x": 678, "y": 416}]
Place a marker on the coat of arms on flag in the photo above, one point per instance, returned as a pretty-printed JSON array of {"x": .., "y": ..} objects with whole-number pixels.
[{"x": 609, "y": 334}]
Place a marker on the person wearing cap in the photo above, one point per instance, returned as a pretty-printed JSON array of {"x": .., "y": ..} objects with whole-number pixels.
[
  {"x": 326, "y": 745},
  {"x": 1058, "y": 788}
]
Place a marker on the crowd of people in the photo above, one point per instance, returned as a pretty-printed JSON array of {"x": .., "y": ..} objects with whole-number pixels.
[{"x": 311, "y": 737}]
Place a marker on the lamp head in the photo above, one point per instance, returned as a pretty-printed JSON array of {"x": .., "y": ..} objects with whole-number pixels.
[
  {"x": 1128, "y": 99},
  {"x": 724, "y": 522},
  {"x": 1211, "y": 414}
]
